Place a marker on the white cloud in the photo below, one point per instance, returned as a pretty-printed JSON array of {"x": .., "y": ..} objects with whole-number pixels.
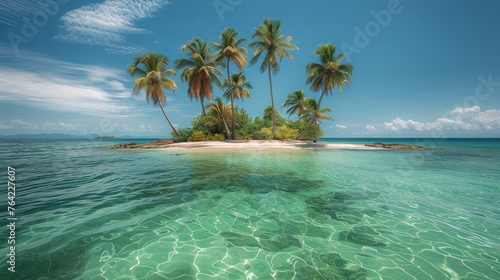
[
  {"x": 71, "y": 127},
  {"x": 459, "y": 119},
  {"x": 38, "y": 81},
  {"x": 20, "y": 124},
  {"x": 489, "y": 119},
  {"x": 125, "y": 128},
  {"x": 112, "y": 128},
  {"x": 55, "y": 93},
  {"x": 106, "y": 24},
  {"x": 465, "y": 111},
  {"x": 370, "y": 129},
  {"x": 340, "y": 126}
]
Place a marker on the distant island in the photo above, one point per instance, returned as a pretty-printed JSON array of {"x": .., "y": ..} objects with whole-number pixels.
[{"x": 106, "y": 137}]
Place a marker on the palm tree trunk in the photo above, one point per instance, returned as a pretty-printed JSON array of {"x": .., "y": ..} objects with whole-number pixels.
[
  {"x": 306, "y": 128},
  {"x": 202, "y": 105},
  {"x": 316, "y": 122},
  {"x": 316, "y": 130},
  {"x": 232, "y": 100},
  {"x": 273, "y": 131},
  {"x": 319, "y": 101},
  {"x": 168, "y": 120},
  {"x": 233, "y": 129},
  {"x": 225, "y": 125}
]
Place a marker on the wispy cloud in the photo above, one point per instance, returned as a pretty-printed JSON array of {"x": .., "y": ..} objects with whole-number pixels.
[
  {"x": 13, "y": 11},
  {"x": 38, "y": 81},
  {"x": 50, "y": 127},
  {"x": 340, "y": 126},
  {"x": 17, "y": 124},
  {"x": 370, "y": 129},
  {"x": 107, "y": 24},
  {"x": 127, "y": 128},
  {"x": 60, "y": 94},
  {"x": 459, "y": 119}
]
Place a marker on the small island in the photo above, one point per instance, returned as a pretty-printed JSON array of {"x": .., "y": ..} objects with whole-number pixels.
[
  {"x": 168, "y": 144},
  {"x": 106, "y": 137},
  {"x": 202, "y": 69}
]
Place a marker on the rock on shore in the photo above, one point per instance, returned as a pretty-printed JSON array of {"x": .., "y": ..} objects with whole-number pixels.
[{"x": 162, "y": 143}]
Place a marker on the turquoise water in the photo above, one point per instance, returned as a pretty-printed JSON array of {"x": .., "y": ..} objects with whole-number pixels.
[{"x": 90, "y": 213}]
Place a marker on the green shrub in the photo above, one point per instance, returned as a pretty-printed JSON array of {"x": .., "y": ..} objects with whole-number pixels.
[
  {"x": 184, "y": 134},
  {"x": 197, "y": 136},
  {"x": 217, "y": 137},
  {"x": 268, "y": 116},
  {"x": 259, "y": 135}
]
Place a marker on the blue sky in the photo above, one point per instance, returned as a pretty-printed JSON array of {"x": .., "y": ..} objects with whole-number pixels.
[{"x": 421, "y": 68}]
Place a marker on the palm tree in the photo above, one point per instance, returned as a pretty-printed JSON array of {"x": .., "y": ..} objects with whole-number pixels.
[
  {"x": 313, "y": 114},
  {"x": 199, "y": 70},
  {"x": 287, "y": 133},
  {"x": 230, "y": 50},
  {"x": 327, "y": 74},
  {"x": 237, "y": 87},
  {"x": 269, "y": 40},
  {"x": 296, "y": 102},
  {"x": 283, "y": 132},
  {"x": 217, "y": 114},
  {"x": 151, "y": 74}
]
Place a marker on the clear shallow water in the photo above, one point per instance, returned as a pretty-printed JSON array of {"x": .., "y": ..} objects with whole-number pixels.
[{"x": 90, "y": 213}]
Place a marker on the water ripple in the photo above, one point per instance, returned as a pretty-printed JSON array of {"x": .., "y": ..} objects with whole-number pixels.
[{"x": 90, "y": 213}]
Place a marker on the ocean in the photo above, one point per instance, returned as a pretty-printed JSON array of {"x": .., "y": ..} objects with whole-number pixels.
[{"x": 84, "y": 212}]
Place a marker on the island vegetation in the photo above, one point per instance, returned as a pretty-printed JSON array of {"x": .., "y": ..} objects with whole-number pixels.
[{"x": 203, "y": 67}]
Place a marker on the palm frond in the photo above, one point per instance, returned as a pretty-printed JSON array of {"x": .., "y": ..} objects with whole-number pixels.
[
  {"x": 329, "y": 73},
  {"x": 199, "y": 68}
]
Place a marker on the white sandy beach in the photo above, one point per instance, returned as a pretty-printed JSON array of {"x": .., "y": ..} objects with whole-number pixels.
[{"x": 259, "y": 145}]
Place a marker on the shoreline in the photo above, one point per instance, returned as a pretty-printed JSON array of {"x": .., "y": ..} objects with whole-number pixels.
[
  {"x": 242, "y": 145},
  {"x": 254, "y": 145}
]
